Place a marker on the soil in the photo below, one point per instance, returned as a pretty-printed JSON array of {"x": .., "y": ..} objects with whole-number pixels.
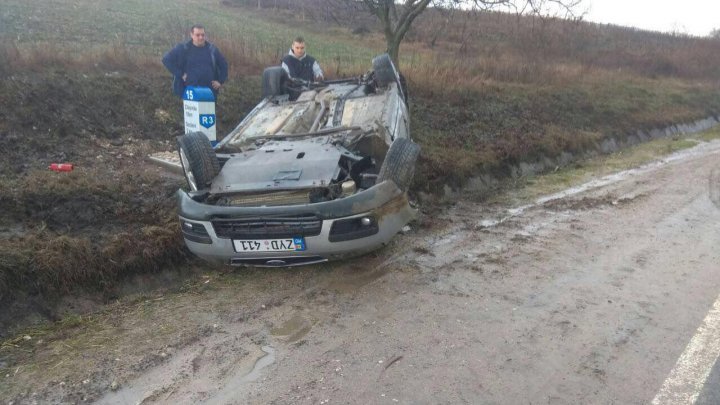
[
  {"x": 69, "y": 231},
  {"x": 61, "y": 116},
  {"x": 572, "y": 298},
  {"x": 585, "y": 296}
]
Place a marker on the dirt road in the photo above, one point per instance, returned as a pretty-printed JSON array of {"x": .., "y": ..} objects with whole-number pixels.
[{"x": 587, "y": 296}]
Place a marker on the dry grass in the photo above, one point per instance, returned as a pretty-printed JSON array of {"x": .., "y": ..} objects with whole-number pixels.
[
  {"x": 45, "y": 263},
  {"x": 40, "y": 56},
  {"x": 85, "y": 229},
  {"x": 498, "y": 91},
  {"x": 506, "y": 47}
]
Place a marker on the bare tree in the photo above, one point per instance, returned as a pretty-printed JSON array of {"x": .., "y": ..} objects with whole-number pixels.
[
  {"x": 395, "y": 25},
  {"x": 438, "y": 23},
  {"x": 397, "y": 18}
]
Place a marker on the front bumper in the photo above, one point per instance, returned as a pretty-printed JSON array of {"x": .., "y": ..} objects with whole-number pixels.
[{"x": 332, "y": 234}]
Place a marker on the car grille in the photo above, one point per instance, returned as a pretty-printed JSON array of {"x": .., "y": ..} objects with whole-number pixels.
[
  {"x": 268, "y": 227},
  {"x": 288, "y": 197}
]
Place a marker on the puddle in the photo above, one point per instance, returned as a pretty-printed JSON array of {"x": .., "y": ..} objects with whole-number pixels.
[
  {"x": 446, "y": 239},
  {"x": 232, "y": 391},
  {"x": 261, "y": 363},
  {"x": 153, "y": 387},
  {"x": 293, "y": 329},
  {"x": 150, "y": 385}
]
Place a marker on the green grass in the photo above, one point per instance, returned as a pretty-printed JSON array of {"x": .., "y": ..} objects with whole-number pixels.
[{"x": 152, "y": 27}]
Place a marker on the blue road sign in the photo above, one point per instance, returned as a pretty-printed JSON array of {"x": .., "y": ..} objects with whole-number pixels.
[
  {"x": 198, "y": 94},
  {"x": 207, "y": 120}
]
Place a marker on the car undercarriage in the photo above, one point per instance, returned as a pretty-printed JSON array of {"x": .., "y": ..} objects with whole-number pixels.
[{"x": 314, "y": 172}]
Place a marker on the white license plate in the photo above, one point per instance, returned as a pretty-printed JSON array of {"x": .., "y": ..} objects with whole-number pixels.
[{"x": 270, "y": 245}]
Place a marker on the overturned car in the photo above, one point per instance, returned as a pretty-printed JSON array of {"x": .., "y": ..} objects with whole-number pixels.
[{"x": 315, "y": 172}]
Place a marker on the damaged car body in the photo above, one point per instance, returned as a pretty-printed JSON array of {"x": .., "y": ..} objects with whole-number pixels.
[{"x": 315, "y": 172}]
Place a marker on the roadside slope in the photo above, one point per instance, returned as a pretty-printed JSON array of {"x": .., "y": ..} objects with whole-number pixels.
[{"x": 584, "y": 297}]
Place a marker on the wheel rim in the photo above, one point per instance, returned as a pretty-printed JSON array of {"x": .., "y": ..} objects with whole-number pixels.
[{"x": 186, "y": 169}]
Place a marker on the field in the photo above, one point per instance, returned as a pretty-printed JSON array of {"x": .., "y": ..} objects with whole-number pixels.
[{"x": 85, "y": 85}]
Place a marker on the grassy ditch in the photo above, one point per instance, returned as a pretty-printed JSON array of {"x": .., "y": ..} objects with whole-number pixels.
[
  {"x": 82, "y": 356},
  {"x": 464, "y": 133},
  {"x": 84, "y": 84},
  {"x": 72, "y": 112},
  {"x": 114, "y": 215},
  {"x": 64, "y": 231}
]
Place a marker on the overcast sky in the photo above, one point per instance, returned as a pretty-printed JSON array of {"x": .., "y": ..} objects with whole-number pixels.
[{"x": 695, "y": 17}]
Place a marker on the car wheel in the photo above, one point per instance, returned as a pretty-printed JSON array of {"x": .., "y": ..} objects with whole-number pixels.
[
  {"x": 384, "y": 68},
  {"x": 199, "y": 162},
  {"x": 273, "y": 81},
  {"x": 399, "y": 164}
]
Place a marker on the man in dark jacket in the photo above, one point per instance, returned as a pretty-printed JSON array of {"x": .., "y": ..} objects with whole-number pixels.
[
  {"x": 196, "y": 63},
  {"x": 299, "y": 64}
]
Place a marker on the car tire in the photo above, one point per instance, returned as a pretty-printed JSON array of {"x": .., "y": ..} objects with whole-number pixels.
[
  {"x": 399, "y": 164},
  {"x": 199, "y": 162},
  {"x": 385, "y": 71},
  {"x": 273, "y": 81}
]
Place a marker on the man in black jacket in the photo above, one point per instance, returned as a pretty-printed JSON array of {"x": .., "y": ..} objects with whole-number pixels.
[
  {"x": 300, "y": 65},
  {"x": 196, "y": 63}
]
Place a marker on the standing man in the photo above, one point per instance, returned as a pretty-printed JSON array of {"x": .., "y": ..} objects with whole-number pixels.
[
  {"x": 196, "y": 63},
  {"x": 300, "y": 65}
]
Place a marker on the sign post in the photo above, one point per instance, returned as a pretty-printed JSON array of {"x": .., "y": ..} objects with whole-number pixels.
[{"x": 199, "y": 107}]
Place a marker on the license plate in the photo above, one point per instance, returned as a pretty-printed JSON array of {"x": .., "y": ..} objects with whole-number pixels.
[{"x": 270, "y": 245}]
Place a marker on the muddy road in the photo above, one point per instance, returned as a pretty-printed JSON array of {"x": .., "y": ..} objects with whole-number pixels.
[{"x": 593, "y": 295}]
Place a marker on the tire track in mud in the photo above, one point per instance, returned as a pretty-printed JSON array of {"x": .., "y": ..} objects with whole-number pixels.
[
  {"x": 467, "y": 255},
  {"x": 498, "y": 263},
  {"x": 224, "y": 366}
]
